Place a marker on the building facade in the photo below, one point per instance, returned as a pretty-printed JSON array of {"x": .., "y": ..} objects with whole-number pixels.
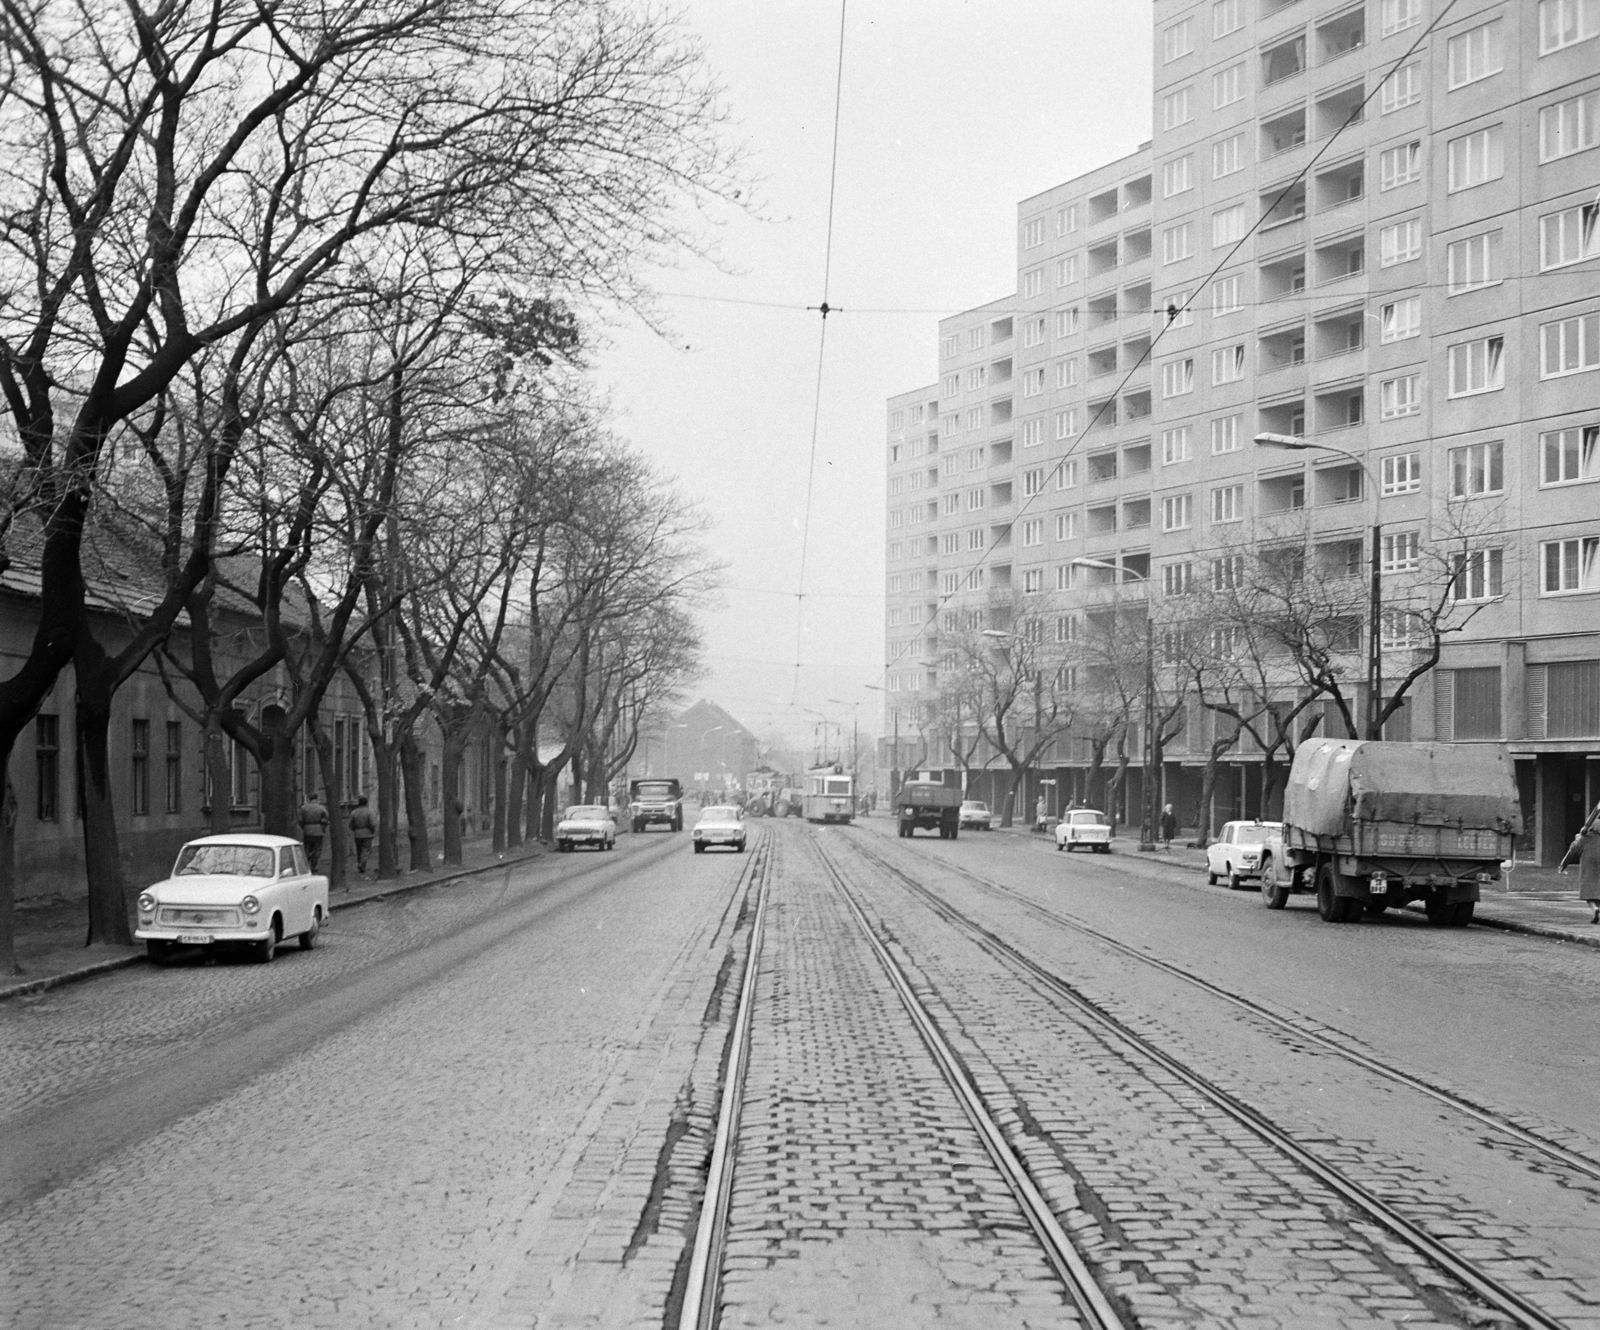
[{"x": 1364, "y": 228}]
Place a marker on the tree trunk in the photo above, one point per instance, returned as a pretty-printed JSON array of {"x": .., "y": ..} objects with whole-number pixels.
[
  {"x": 533, "y": 795},
  {"x": 497, "y": 739},
  {"x": 411, "y": 767},
  {"x": 337, "y": 844},
  {"x": 220, "y": 820},
  {"x": 515, "y": 796},
  {"x": 8, "y": 881},
  {"x": 102, "y": 858},
  {"x": 383, "y": 758},
  {"x": 1008, "y": 818},
  {"x": 450, "y": 755},
  {"x": 547, "y": 800},
  {"x": 277, "y": 775}
]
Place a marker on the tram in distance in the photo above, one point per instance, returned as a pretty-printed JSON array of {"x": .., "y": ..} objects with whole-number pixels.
[{"x": 830, "y": 794}]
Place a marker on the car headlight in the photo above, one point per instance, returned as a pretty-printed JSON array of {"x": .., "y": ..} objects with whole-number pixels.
[
  {"x": 250, "y": 905},
  {"x": 147, "y": 903}
]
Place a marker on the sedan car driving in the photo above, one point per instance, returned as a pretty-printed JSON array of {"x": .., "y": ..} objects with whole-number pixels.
[
  {"x": 719, "y": 824},
  {"x": 586, "y": 824},
  {"x": 976, "y": 816},
  {"x": 1086, "y": 827},
  {"x": 1238, "y": 852},
  {"x": 247, "y": 891}
]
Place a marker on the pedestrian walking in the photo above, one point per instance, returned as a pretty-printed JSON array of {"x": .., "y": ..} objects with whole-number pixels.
[
  {"x": 1169, "y": 824},
  {"x": 313, "y": 827},
  {"x": 363, "y": 826},
  {"x": 1585, "y": 848},
  {"x": 1041, "y": 811}
]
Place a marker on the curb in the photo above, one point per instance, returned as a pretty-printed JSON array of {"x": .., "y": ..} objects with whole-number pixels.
[{"x": 122, "y": 962}]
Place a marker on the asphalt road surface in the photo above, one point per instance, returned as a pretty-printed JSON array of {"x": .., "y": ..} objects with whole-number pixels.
[{"x": 490, "y": 1104}]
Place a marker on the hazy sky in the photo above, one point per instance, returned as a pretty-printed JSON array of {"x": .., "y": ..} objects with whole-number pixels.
[{"x": 951, "y": 113}]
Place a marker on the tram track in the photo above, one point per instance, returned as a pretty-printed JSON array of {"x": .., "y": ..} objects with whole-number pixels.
[{"x": 1468, "y": 1275}]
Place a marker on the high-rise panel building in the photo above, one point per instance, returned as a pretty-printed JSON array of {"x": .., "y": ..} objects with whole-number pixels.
[{"x": 1370, "y": 232}]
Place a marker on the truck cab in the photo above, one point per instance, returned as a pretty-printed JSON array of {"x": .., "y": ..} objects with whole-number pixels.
[{"x": 655, "y": 801}]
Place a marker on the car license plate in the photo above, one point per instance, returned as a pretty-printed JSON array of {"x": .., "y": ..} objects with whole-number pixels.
[{"x": 198, "y": 939}]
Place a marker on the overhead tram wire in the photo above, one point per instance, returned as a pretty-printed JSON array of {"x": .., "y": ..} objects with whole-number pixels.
[
  {"x": 1174, "y": 311},
  {"x": 822, "y": 345}
]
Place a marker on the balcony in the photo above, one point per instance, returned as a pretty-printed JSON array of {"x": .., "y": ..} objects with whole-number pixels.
[
  {"x": 1102, "y": 361},
  {"x": 1283, "y": 276},
  {"x": 1001, "y": 330},
  {"x": 1343, "y": 483},
  {"x": 1136, "y": 459},
  {"x": 1283, "y": 493},
  {"x": 1103, "y": 258},
  {"x": 1338, "y": 334},
  {"x": 1340, "y": 185},
  {"x": 1000, "y": 371},
  {"x": 1101, "y": 465},
  {"x": 1332, "y": 111},
  {"x": 1102, "y": 206},
  {"x": 1135, "y": 514},
  {"x": 1283, "y": 132},
  {"x": 1103, "y": 311},
  {"x": 1133, "y": 349},
  {"x": 1284, "y": 60},
  {"x": 1336, "y": 408},
  {"x": 1136, "y": 245},
  {"x": 1338, "y": 558},
  {"x": 1000, "y": 495},
  {"x": 1335, "y": 260},
  {"x": 1000, "y": 453},
  {"x": 1102, "y": 521},
  {"x": 1339, "y": 36},
  {"x": 1283, "y": 417},
  {"x": 1136, "y": 405},
  {"x": 1136, "y": 299},
  {"x": 1136, "y": 192},
  {"x": 1280, "y": 205},
  {"x": 1282, "y": 348},
  {"x": 1000, "y": 411}
]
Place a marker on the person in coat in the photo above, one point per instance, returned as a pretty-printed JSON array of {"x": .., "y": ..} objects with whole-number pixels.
[
  {"x": 363, "y": 826},
  {"x": 313, "y": 827},
  {"x": 1585, "y": 849},
  {"x": 1169, "y": 824}
]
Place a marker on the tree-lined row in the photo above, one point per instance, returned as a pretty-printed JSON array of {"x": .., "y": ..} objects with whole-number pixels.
[{"x": 285, "y": 290}]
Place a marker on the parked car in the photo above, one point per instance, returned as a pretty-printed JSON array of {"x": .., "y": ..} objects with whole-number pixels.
[
  {"x": 720, "y": 824},
  {"x": 976, "y": 815},
  {"x": 587, "y": 824},
  {"x": 1236, "y": 853},
  {"x": 247, "y": 891},
  {"x": 1084, "y": 826}
]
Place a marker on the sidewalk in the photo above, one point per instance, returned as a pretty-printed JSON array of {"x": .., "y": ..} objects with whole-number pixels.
[
  {"x": 1530, "y": 899},
  {"x": 50, "y": 934}
]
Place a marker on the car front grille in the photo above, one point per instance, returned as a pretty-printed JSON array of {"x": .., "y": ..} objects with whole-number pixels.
[{"x": 209, "y": 916}]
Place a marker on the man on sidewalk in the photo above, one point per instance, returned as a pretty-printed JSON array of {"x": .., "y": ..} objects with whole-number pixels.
[
  {"x": 363, "y": 826},
  {"x": 1585, "y": 849},
  {"x": 313, "y": 827},
  {"x": 1169, "y": 824}
]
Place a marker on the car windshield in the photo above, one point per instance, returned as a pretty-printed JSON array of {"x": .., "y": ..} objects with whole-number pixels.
[
  {"x": 975, "y": 807},
  {"x": 719, "y": 813},
  {"x": 1086, "y": 817},
  {"x": 654, "y": 789},
  {"x": 233, "y": 860},
  {"x": 587, "y": 813},
  {"x": 1252, "y": 835}
]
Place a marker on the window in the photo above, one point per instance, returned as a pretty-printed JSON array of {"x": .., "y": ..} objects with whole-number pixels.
[
  {"x": 47, "y": 767},
  {"x": 1569, "y": 455},
  {"x": 1569, "y": 346},
  {"x": 1399, "y": 396},
  {"x": 1066, "y": 423},
  {"x": 977, "y": 377},
  {"x": 1033, "y": 382},
  {"x": 1477, "y": 468},
  {"x": 1067, "y": 219},
  {"x": 897, "y": 550},
  {"x": 1177, "y": 176},
  {"x": 1066, "y": 270},
  {"x": 174, "y": 766},
  {"x": 897, "y": 584},
  {"x": 950, "y": 543},
  {"x": 1033, "y": 332},
  {"x": 1175, "y": 109},
  {"x": 1066, "y": 374},
  {"x": 1033, "y": 233},
  {"x": 1569, "y": 565},
  {"x": 1066, "y": 526},
  {"x": 1033, "y": 432},
  {"x": 950, "y": 465},
  {"x": 1066, "y": 322},
  {"x": 896, "y": 617},
  {"x": 1400, "y": 320},
  {"x": 1066, "y": 624},
  {"x": 976, "y": 499},
  {"x": 918, "y": 415},
  {"x": 1476, "y": 158},
  {"x": 975, "y": 339},
  {"x": 1177, "y": 512},
  {"x": 951, "y": 504},
  {"x": 1479, "y": 575},
  {"x": 1474, "y": 54},
  {"x": 975, "y": 418},
  {"x": 1227, "y": 503},
  {"x": 1033, "y": 282},
  {"x": 1400, "y": 243},
  {"x": 1227, "y": 156},
  {"x": 1177, "y": 41},
  {"x": 949, "y": 346},
  {"x": 1177, "y": 377},
  {"x": 1570, "y": 126},
  {"x": 1227, "y": 364},
  {"x": 974, "y": 539},
  {"x": 894, "y": 452},
  {"x": 1227, "y": 225},
  {"x": 1474, "y": 262},
  {"x": 1477, "y": 367},
  {"x": 1226, "y": 16},
  {"x": 1177, "y": 242},
  {"x": 1402, "y": 88},
  {"x": 1563, "y": 22},
  {"x": 896, "y": 484},
  {"x": 1033, "y": 531},
  {"x": 1225, "y": 298},
  {"x": 1225, "y": 435},
  {"x": 1177, "y": 579},
  {"x": 1175, "y": 445},
  {"x": 1180, "y": 313},
  {"x": 1067, "y": 474},
  {"x": 1032, "y": 481},
  {"x": 1032, "y": 581},
  {"x": 1569, "y": 236},
  {"x": 897, "y": 518},
  {"x": 1227, "y": 572},
  {"x": 1401, "y": 474},
  {"x": 952, "y": 385},
  {"x": 1227, "y": 86},
  {"x": 1399, "y": 165},
  {"x": 1402, "y": 551},
  {"x": 1400, "y": 14}
]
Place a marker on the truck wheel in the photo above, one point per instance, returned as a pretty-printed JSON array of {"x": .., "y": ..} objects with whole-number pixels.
[
  {"x": 1331, "y": 907},
  {"x": 1274, "y": 895}
]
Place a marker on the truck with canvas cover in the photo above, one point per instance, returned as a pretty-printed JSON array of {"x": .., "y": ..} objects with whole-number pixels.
[
  {"x": 1368, "y": 825},
  {"x": 929, "y": 805},
  {"x": 654, "y": 801}
]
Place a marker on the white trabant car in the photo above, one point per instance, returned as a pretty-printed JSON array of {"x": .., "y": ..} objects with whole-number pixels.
[
  {"x": 1238, "y": 852},
  {"x": 587, "y": 824},
  {"x": 1086, "y": 827},
  {"x": 253, "y": 891},
  {"x": 720, "y": 824},
  {"x": 975, "y": 816}
]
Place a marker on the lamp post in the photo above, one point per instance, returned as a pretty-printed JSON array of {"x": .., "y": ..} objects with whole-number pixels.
[
  {"x": 894, "y": 752},
  {"x": 1291, "y": 443},
  {"x": 1147, "y": 805}
]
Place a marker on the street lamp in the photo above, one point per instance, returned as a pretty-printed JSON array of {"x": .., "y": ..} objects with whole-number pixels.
[
  {"x": 894, "y": 752},
  {"x": 1147, "y": 807},
  {"x": 1292, "y": 443}
]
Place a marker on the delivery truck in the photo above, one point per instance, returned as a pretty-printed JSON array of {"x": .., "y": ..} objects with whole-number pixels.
[{"x": 929, "y": 805}]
